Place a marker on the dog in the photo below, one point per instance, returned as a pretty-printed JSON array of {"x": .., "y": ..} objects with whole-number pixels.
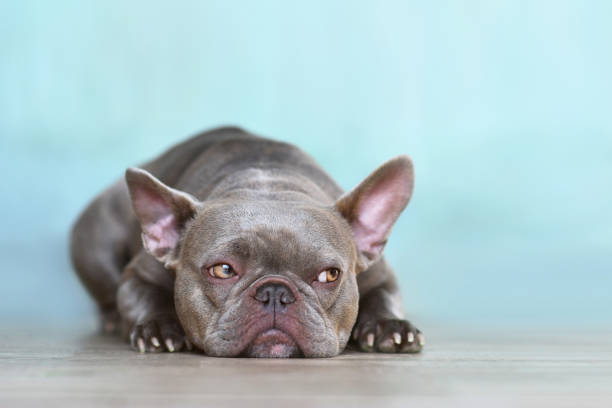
[{"x": 238, "y": 245}]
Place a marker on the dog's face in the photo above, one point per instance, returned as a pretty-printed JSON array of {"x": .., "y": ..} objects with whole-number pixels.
[{"x": 266, "y": 278}]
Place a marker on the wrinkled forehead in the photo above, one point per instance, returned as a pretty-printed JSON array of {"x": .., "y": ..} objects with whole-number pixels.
[{"x": 279, "y": 234}]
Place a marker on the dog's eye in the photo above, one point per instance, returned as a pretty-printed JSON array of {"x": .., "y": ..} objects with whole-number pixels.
[
  {"x": 221, "y": 271},
  {"x": 328, "y": 275}
]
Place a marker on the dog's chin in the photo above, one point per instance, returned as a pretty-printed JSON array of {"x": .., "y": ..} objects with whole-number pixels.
[{"x": 273, "y": 343}]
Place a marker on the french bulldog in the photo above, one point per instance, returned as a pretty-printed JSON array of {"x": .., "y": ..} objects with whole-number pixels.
[{"x": 238, "y": 245}]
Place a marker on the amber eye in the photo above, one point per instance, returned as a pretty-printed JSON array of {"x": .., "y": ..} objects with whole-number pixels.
[
  {"x": 221, "y": 271},
  {"x": 328, "y": 275}
]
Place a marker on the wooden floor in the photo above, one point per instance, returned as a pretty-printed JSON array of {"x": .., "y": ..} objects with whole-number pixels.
[{"x": 511, "y": 368}]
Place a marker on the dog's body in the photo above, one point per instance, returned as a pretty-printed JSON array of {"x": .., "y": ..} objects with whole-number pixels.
[{"x": 250, "y": 248}]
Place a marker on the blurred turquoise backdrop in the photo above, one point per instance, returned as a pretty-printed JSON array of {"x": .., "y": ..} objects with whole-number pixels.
[{"x": 505, "y": 107}]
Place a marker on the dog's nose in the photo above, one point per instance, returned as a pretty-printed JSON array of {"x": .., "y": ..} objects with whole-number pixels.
[{"x": 274, "y": 296}]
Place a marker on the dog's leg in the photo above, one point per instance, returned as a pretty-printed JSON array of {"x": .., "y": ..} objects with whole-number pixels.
[
  {"x": 146, "y": 305},
  {"x": 380, "y": 324}
]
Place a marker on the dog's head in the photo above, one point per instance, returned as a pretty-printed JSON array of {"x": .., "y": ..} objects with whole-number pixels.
[{"x": 269, "y": 278}]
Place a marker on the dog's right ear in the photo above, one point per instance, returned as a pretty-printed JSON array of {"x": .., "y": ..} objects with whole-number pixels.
[{"x": 162, "y": 212}]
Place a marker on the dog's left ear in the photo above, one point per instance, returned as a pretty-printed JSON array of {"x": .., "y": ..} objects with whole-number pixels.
[{"x": 374, "y": 205}]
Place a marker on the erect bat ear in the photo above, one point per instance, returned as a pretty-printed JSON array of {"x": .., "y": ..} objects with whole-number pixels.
[
  {"x": 374, "y": 205},
  {"x": 162, "y": 212}
]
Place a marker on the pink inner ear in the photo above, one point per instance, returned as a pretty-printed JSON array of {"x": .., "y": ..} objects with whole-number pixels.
[
  {"x": 376, "y": 212},
  {"x": 159, "y": 225},
  {"x": 161, "y": 236}
]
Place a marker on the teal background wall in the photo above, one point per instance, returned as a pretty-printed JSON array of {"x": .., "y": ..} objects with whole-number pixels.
[{"x": 505, "y": 107}]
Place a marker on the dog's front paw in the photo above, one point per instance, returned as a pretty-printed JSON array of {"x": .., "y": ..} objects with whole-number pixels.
[
  {"x": 388, "y": 336},
  {"x": 159, "y": 334}
]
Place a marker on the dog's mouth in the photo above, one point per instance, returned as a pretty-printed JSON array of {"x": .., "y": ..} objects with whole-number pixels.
[{"x": 273, "y": 343}]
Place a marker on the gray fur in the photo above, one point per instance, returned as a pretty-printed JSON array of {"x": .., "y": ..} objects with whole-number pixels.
[{"x": 269, "y": 210}]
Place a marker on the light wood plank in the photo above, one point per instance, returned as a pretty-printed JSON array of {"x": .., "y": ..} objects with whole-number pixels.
[{"x": 73, "y": 367}]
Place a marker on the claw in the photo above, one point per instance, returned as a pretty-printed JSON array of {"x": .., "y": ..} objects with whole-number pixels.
[
  {"x": 370, "y": 339},
  {"x": 397, "y": 338},
  {"x": 410, "y": 337},
  {"x": 141, "y": 345},
  {"x": 155, "y": 341},
  {"x": 421, "y": 339},
  {"x": 169, "y": 345}
]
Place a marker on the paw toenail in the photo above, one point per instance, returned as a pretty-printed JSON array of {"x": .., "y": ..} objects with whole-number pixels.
[
  {"x": 154, "y": 341},
  {"x": 410, "y": 337},
  {"x": 141, "y": 345},
  {"x": 370, "y": 339},
  {"x": 169, "y": 345},
  {"x": 397, "y": 338},
  {"x": 421, "y": 339}
]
